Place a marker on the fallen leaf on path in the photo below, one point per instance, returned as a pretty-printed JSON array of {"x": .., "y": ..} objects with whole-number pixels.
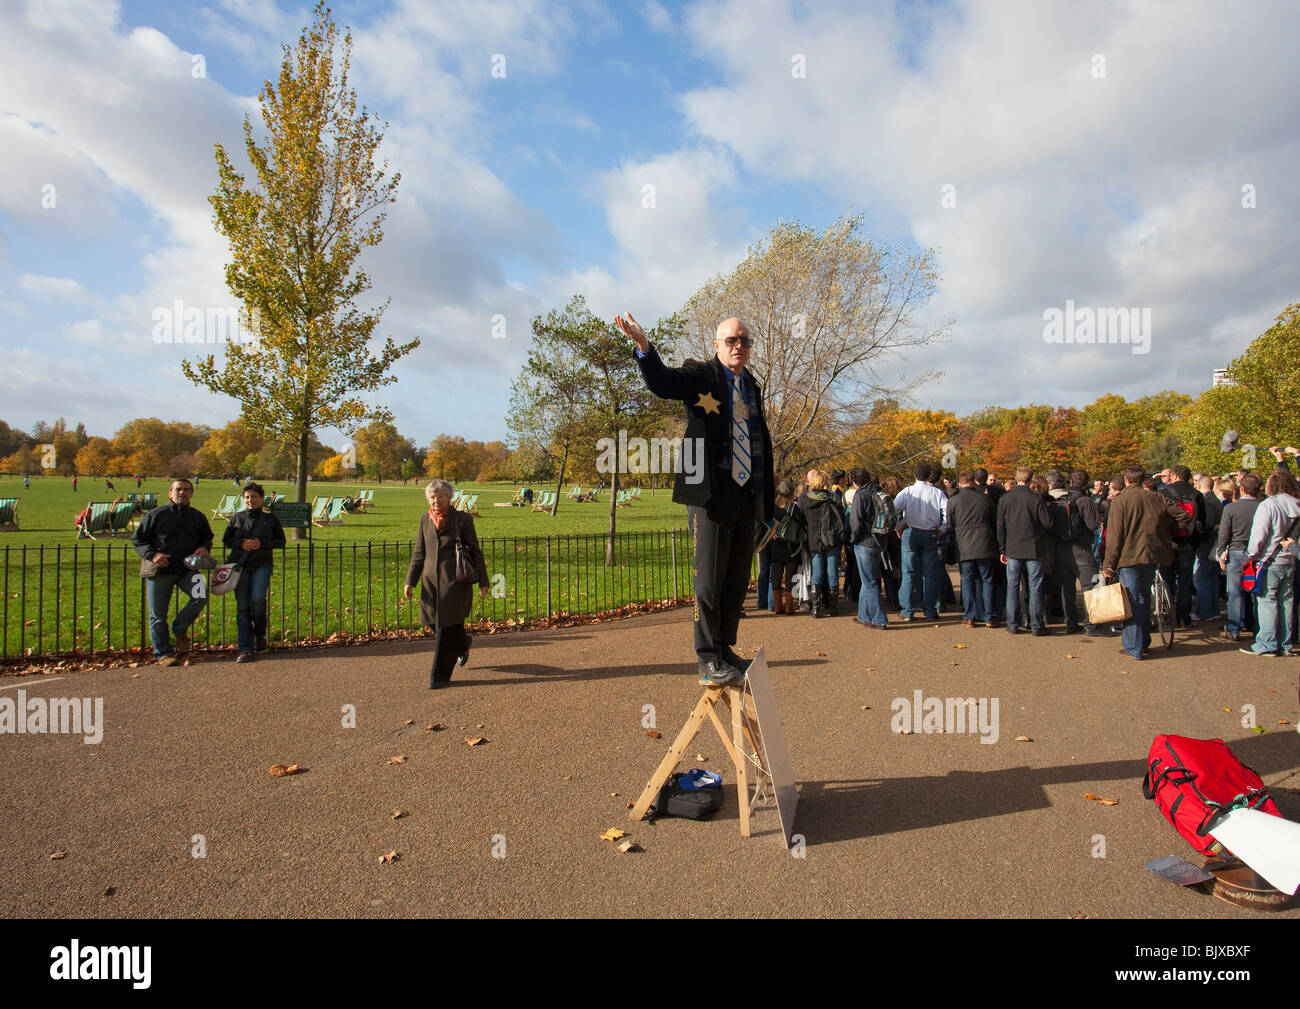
[
  {"x": 475, "y": 740},
  {"x": 1228, "y": 710},
  {"x": 397, "y": 760},
  {"x": 904, "y": 732},
  {"x": 1260, "y": 728},
  {"x": 628, "y": 805},
  {"x": 409, "y": 721},
  {"x": 434, "y": 727},
  {"x": 871, "y": 669},
  {"x": 1098, "y": 798},
  {"x": 280, "y": 770},
  {"x": 1283, "y": 721},
  {"x": 653, "y": 734},
  {"x": 479, "y": 726},
  {"x": 135, "y": 676},
  {"x": 399, "y": 813},
  {"x": 959, "y": 645},
  {"x": 822, "y": 654},
  {"x": 390, "y": 858},
  {"x": 1072, "y": 656},
  {"x": 56, "y": 856},
  {"x": 866, "y": 707},
  {"x": 701, "y": 757},
  {"x": 629, "y": 845},
  {"x": 613, "y": 795},
  {"x": 613, "y": 834},
  {"x": 110, "y": 891},
  {"x": 1023, "y": 739}
]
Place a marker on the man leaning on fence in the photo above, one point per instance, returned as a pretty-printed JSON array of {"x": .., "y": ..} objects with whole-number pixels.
[{"x": 163, "y": 539}]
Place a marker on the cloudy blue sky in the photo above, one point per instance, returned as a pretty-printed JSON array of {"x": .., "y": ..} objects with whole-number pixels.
[{"x": 1106, "y": 153}]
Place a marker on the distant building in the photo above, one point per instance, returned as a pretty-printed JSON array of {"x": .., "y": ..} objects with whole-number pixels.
[{"x": 1221, "y": 377}]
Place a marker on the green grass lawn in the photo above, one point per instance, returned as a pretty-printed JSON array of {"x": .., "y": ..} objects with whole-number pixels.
[
  {"x": 61, "y": 594},
  {"x": 46, "y": 511}
]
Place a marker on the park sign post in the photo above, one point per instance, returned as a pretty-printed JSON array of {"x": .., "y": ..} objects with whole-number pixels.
[{"x": 296, "y": 515}]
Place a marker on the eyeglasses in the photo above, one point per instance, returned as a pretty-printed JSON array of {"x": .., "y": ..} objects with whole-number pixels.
[{"x": 744, "y": 341}]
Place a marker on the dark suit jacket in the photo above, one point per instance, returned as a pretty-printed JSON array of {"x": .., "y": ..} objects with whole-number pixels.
[
  {"x": 444, "y": 602},
  {"x": 695, "y": 381},
  {"x": 972, "y": 517},
  {"x": 1023, "y": 521}
]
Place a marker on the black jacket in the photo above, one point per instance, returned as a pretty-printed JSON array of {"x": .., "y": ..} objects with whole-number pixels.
[
  {"x": 1023, "y": 522},
  {"x": 973, "y": 519},
  {"x": 702, "y": 386},
  {"x": 862, "y": 515},
  {"x": 817, "y": 507},
  {"x": 174, "y": 531},
  {"x": 259, "y": 525},
  {"x": 1182, "y": 491},
  {"x": 1087, "y": 508}
]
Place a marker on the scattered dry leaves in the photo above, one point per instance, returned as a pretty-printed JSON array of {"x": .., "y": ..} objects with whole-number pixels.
[
  {"x": 400, "y": 759},
  {"x": 280, "y": 770},
  {"x": 475, "y": 740},
  {"x": 409, "y": 721},
  {"x": 701, "y": 757},
  {"x": 56, "y": 856},
  {"x": 1023, "y": 739},
  {"x": 1283, "y": 721},
  {"x": 1098, "y": 798},
  {"x": 399, "y": 813},
  {"x": 389, "y": 858},
  {"x": 613, "y": 834},
  {"x": 629, "y": 845},
  {"x": 434, "y": 727},
  {"x": 653, "y": 733},
  {"x": 822, "y": 654},
  {"x": 959, "y": 645}
]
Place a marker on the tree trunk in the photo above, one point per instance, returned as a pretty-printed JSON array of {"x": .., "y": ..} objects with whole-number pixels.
[
  {"x": 559, "y": 484},
  {"x": 304, "y": 440},
  {"x": 611, "y": 555}
]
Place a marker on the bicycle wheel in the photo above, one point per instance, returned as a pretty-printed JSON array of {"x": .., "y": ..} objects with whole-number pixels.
[{"x": 1164, "y": 611}]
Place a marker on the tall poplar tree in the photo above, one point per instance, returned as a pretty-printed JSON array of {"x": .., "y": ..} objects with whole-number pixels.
[{"x": 295, "y": 237}]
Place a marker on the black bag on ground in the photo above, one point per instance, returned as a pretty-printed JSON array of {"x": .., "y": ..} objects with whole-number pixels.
[{"x": 692, "y": 804}]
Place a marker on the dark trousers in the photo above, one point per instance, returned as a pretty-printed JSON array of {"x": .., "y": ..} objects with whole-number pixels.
[
  {"x": 722, "y": 537},
  {"x": 1066, "y": 575},
  {"x": 448, "y": 644},
  {"x": 1179, "y": 577},
  {"x": 765, "y": 578}
]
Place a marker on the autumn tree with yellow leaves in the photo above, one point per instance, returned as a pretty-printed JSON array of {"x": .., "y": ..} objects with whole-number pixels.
[{"x": 295, "y": 237}]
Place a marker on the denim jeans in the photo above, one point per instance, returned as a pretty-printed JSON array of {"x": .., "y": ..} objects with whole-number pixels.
[
  {"x": 1274, "y": 608},
  {"x": 1241, "y": 605},
  {"x": 920, "y": 565},
  {"x": 1037, "y": 597},
  {"x": 871, "y": 609},
  {"x": 765, "y": 599},
  {"x": 824, "y": 568},
  {"x": 250, "y": 612},
  {"x": 159, "y": 592},
  {"x": 1205, "y": 577},
  {"x": 1137, "y": 629},
  {"x": 1178, "y": 576},
  {"x": 977, "y": 589}
]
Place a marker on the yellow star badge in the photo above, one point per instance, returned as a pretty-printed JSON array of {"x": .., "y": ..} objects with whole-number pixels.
[{"x": 708, "y": 403}]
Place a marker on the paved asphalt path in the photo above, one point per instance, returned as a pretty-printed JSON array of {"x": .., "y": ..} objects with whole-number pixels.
[{"x": 896, "y": 825}]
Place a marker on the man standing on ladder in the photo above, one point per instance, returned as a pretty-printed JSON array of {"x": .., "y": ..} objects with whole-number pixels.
[{"x": 734, "y": 490}]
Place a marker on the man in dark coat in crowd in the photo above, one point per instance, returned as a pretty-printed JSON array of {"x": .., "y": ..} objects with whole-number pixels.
[{"x": 1023, "y": 524}]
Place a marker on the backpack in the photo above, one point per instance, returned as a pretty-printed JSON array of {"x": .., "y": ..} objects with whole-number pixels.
[
  {"x": 837, "y": 525},
  {"x": 1062, "y": 513},
  {"x": 886, "y": 520},
  {"x": 695, "y": 795},
  {"x": 1197, "y": 782}
]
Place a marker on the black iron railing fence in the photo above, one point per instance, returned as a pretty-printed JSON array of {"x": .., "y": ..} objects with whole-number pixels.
[{"x": 72, "y": 600}]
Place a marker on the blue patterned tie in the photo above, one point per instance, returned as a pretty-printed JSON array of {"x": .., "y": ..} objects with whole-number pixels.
[{"x": 740, "y": 455}]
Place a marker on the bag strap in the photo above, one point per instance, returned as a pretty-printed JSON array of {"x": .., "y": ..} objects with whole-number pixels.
[
  {"x": 1290, "y": 534},
  {"x": 1217, "y": 812}
]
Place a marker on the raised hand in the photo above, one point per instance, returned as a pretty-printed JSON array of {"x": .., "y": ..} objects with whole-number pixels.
[{"x": 632, "y": 328}]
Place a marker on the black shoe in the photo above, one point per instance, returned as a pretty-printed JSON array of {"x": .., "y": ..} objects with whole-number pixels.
[
  {"x": 1012, "y": 629},
  {"x": 1041, "y": 632},
  {"x": 261, "y": 645},
  {"x": 732, "y": 659},
  {"x": 719, "y": 673},
  {"x": 463, "y": 657},
  {"x": 1076, "y": 629},
  {"x": 1093, "y": 632},
  {"x": 439, "y": 684}
]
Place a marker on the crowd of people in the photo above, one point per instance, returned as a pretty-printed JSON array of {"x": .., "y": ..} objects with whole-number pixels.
[{"x": 1025, "y": 547}]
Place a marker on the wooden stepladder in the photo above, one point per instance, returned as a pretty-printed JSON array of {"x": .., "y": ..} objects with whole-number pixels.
[{"x": 744, "y": 747}]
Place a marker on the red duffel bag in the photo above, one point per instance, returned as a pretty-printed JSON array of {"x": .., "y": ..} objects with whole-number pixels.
[{"x": 1196, "y": 783}]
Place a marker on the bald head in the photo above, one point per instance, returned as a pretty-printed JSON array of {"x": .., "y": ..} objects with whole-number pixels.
[{"x": 731, "y": 344}]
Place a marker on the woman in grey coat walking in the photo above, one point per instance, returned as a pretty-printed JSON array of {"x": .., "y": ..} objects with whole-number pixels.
[{"x": 444, "y": 602}]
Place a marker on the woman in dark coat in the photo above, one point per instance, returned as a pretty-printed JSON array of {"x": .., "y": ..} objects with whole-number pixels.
[{"x": 444, "y": 602}]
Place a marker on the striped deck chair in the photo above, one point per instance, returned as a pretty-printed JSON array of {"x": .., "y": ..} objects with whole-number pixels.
[
  {"x": 225, "y": 507},
  {"x": 148, "y": 502},
  {"x": 320, "y": 507},
  {"x": 8, "y": 514},
  {"x": 470, "y": 505},
  {"x": 120, "y": 517},
  {"x": 96, "y": 521},
  {"x": 335, "y": 515}
]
